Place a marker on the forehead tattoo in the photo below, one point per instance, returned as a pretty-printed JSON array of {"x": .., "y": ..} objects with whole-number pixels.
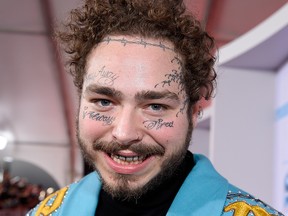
[
  {"x": 106, "y": 77},
  {"x": 141, "y": 42},
  {"x": 176, "y": 76},
  {"x": 173, "y": 76},
  {"x": 103, "y": 76}
]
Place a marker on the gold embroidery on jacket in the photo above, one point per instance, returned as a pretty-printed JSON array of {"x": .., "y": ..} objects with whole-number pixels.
[
  {"x": 45, "y": 208},
  {"x": 243, "y": 209}
]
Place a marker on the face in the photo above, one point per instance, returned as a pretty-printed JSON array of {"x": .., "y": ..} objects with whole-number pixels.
[{"x": 133, "y": 124}]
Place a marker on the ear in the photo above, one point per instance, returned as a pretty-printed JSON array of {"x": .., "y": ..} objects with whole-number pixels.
[{"x": 197, "y": 112}]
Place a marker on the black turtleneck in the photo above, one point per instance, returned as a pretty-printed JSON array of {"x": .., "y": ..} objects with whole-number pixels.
[{"x": 154, "y": 202}]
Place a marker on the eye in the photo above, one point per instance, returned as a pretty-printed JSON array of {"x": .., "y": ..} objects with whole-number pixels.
[
  {"x": 157, "y": 107},
  {"x": 104, "y": 102}
]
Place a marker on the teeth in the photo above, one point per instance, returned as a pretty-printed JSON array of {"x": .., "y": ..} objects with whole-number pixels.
[{"x": 127, "y": 160}]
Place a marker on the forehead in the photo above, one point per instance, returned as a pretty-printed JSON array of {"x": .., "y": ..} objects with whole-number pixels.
[{"x": 131, "y": 59}]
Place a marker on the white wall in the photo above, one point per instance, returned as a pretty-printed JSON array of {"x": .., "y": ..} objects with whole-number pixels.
[
  {"x": 242, "y": 129},
  {"x": 200, "y": 141},
  {"x": 281, "y": 140}
]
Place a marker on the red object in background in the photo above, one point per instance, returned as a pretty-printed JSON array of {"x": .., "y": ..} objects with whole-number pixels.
[{"x": 17, "y": 196}]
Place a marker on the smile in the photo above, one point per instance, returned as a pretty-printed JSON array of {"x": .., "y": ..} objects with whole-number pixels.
[
  {"x": 127, "y": 160},
  {"x": 128, "y": 164}
]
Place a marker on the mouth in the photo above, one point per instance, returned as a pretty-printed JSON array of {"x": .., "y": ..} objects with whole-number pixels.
[
  {"x": 128, "y": 163},
  {"x": 128, "y": 160},
  {"x": 134, "y": 159}
]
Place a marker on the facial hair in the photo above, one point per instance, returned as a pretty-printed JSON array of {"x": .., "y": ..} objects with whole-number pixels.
[{"x": 121, "y": 190}]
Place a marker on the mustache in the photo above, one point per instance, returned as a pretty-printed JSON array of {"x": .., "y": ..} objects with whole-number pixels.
[{"x": 138, "y": 148}]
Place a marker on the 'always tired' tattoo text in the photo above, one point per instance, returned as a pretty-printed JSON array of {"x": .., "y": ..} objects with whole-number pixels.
[
  {"x": 157, "y": 124},
  {"x": 107, "y": 120}
]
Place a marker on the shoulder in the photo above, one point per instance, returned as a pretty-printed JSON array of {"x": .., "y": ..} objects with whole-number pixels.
[
  {"x": 56, "y": 203},
  {"x": 241, "y": 203}
]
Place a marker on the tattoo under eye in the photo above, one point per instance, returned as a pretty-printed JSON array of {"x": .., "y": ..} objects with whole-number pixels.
[
  {"x": 157, "y": 124},
  {"x": 107, "y": 120}
]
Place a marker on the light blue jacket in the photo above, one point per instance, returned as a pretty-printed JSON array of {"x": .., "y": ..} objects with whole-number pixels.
[{"x": 203, "y": 193}]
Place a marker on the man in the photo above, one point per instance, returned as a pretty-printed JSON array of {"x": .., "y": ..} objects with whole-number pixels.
[{"x": 141, "y": 67}]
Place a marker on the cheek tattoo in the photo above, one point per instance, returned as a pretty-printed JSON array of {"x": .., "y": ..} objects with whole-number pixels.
[
  {"x": 157, "y": 124},
  {"x": 176, "y": 76},
  {"x": 107, "y": 120}
]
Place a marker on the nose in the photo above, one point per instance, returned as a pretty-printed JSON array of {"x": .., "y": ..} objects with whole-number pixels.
[{"x": 126, "y": 129}]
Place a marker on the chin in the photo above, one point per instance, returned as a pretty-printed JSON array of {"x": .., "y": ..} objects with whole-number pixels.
[{"x": 124, "y": 187}]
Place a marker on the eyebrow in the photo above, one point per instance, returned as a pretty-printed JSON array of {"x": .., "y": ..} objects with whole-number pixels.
[
  {"x": 152, "y": 95},
  {"x": 108, "y": 91},
  {"x": 140, "y": 96}
]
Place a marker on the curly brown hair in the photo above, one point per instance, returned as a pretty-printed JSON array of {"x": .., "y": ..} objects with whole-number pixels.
[{"x": 158, "y": 19}]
